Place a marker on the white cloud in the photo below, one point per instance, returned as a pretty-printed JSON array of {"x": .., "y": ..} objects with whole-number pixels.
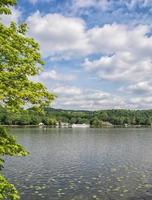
[
  {"x": 36, "y": 1},
  {"x": 134, "y": 3},
  {"x": 16, "y": 14},
  {"x": 75, "y": 98},
  {"x": 135, "y": 96},
  {"x": 67, "y": 90},
  {"x": 126, "y": 52},
  {"x": 112, "y": 38},
  {"x": 77, "y": 4},
  {"x": 139, "y": 88},
  {"x": 33, "y": 1},
  {"x": 107, "y": 4},
  {"x": 58, "y": 34},
  {"x": 61, "y": 36},
  {"x": 120, "y": 67},
  {"x": 125, "y": 56},
  {"x": 140, "y": 102},
  {"x": 52, "y": 75}
]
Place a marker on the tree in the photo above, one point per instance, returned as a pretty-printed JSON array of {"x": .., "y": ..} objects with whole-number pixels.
[
  {"x": 20, "y": 59},
  {"x": 8, "y": 146},
  {"x": 4, "y": 6},
  {"x": 103, "y": 116}
]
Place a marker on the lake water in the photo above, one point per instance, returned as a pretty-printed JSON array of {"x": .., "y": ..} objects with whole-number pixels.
[{"x": 83, "y": 164}]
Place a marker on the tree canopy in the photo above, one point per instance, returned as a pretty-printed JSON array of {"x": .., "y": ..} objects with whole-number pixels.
[
  {"x": 20, "y": 59},
  {"x": 5, "y": 6},
  {"x": 8, "y": 146}
]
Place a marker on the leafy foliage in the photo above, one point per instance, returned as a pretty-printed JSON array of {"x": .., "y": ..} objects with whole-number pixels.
[
  {"x": 20, "y": 59},
  {"x": 5, "y": 6},
  {"x": 94, "y": 118},
  {"x": 8, "y": 146},
  {"x": 7, "y": 190}
]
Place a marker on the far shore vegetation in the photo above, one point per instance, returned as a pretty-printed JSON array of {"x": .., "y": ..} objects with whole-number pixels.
[{"x": 96, "y": 119}]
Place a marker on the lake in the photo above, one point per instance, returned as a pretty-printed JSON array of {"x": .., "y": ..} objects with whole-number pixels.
[{"x": 83, "y": 164}]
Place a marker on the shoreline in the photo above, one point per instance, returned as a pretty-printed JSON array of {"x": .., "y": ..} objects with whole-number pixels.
[{"x": 114, "y": 126}]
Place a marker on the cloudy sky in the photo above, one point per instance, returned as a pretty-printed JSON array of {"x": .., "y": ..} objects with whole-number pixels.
[{"x": 98, "y": 53}]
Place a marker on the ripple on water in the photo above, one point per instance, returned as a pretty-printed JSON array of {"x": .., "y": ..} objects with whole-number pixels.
[{"x": 82, "y": 165}]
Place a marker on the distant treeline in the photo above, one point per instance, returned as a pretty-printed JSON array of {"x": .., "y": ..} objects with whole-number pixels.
[{"x": 94, "y": 118}]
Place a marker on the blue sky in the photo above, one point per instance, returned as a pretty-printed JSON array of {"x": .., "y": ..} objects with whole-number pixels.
[{"x": 97, "y": 52}]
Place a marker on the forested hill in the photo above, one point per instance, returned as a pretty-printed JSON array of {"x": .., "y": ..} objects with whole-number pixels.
[{"x": 94, "y": 118}]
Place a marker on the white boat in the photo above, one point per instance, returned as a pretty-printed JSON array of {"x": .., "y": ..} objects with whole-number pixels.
[{"x": 41, "y": 125}]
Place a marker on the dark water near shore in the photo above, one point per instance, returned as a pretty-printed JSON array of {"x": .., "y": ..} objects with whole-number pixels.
[{"x": 83, "y": 164}]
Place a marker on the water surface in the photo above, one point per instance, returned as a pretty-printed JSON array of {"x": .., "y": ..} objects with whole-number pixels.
[{"x": 83, "y": 164}]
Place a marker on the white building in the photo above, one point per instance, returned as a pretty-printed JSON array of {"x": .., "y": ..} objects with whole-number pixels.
[
  {"x": 64, "y": 125},
  {"x": 80, "y": 126}
]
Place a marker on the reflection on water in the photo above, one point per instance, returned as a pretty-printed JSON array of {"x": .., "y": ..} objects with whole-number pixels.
[{"x": 83, "y": 164}]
